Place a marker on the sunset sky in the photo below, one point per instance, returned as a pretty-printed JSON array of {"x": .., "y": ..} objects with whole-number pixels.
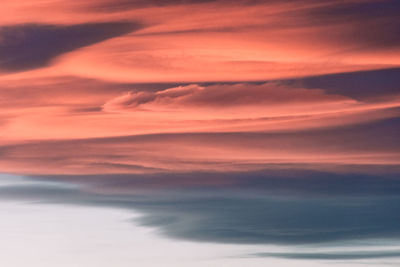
[{"x": 200, "y": 133}]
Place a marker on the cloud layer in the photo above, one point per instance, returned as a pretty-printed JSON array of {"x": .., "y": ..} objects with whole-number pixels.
[
  {"x": 33, "y": 46},
  {"x": 260, "y": 122},
  {"x": 219, "y": 40},
  {"x": 272, "y": 210}
]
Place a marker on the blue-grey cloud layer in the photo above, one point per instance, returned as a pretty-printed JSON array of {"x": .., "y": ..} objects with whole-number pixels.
[
  {"x": 299, "y": 207},
  {"x": 356, "y": 255}
]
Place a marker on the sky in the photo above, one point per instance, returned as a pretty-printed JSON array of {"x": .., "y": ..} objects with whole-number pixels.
[{"x": 221, "y": 132}]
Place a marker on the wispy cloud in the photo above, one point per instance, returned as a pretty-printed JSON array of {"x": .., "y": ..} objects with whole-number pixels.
[
  {"x": 245, "y": 40},
  {"x": 32, "y": 46},
  {"x": 258, "y": 122}
]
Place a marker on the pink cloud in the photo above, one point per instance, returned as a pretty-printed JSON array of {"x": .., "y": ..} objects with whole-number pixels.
[
  {"x": 91, "y": 90},
  {"x": 54, "y": 111},
  {"x": 236, "y": 101},
  {"x": 219, "y": 41}
]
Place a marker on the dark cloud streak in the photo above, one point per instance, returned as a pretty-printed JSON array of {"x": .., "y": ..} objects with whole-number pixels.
[
  {"x": 359, "y": 85},
  {"x": 334, "y": 256},
  {"x": 30, "y": 46}
]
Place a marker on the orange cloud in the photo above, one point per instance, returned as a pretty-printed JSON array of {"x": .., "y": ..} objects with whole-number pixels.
[
  {"x": 218, "y": 40},
  {"x": 70, "y": 71},
  {"x": 238, "y": 101},
  {"x": 353, "y": 145},
  {"x": 54, "y": 111}
]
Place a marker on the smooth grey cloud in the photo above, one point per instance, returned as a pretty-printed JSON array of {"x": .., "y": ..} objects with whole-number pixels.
[
  {"x": 29, "y": 46},
  {"x": 289, "y": 180},
  {"x": 274, "y": 220},
  {"x": 352, "y": 255},
  {"x": 271, "y": 211}
]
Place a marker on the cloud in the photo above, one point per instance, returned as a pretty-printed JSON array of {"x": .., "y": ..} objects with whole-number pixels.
[
  {"x": 223, "y": 101},
  {"x": 373, "y": 24},
  {"x": 352, "y": 255},
  {"x": 227, "y": 95},
  {"x": 295, "y": 181},
  {"x": 119, "y": 5},
  {"x": 79, "y": 108},
  {"x": 230, "y": 147},
  {"x": 254, "y": 215},
  {"x": 30, "y": 46},
  {"x": 220, "y": 41},
  {"x": 273, "y": 221},
  {"x": 271, "y": 106},
  {"x": 361, "y": 85},
  {"x": 359, "y": 145}
]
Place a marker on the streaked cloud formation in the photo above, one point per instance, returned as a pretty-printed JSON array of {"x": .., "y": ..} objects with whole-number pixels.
[
  {"x": 221, "y": 40},
  {"x": 358, "y": 145},
  {"x": 71, "y": 101},
  {"x": 192, "y": 127},
  {"x": 272, "y": 122}
]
